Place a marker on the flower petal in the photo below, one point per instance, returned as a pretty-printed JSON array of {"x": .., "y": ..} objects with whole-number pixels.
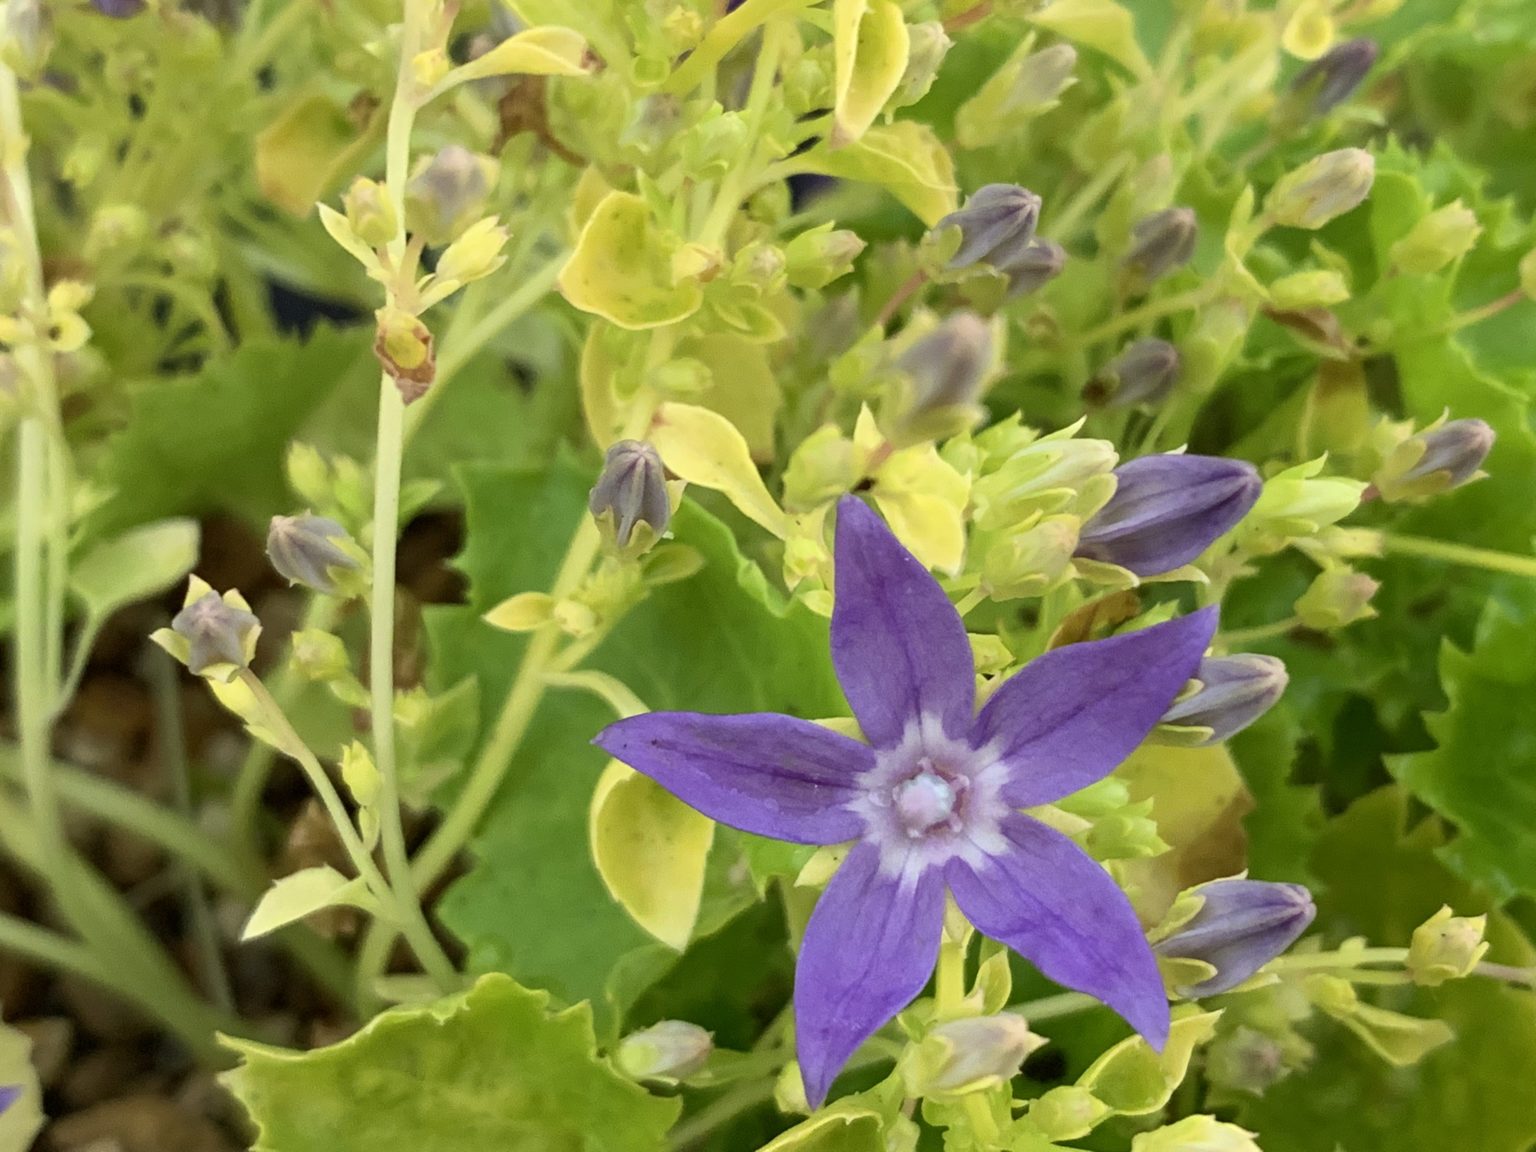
[
  {"x": 1069, "y": 717},
  {"x": 869, "y": 949},
  {"x": 773, "y": 775},
  {"x": 898, "y": 644},
  {"x": 1054, "y": 905}
]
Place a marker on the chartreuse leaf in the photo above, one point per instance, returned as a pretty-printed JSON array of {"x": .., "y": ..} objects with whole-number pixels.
[
  {"x": 838, "y": 1129},
  {"x": 705, "y": 448},
  {"x": 869, "y": 52},
  {"x": 1380, "y": 878},
  {"x": 308, "y": 149},
  {"x": 302, "y": 893},
  {"x": 1133, "y": 1080},
  {"x": 744, "y": 390},
  {"x": 719, "y": 641},
  {"x": 489, "y": 1070},
  {"x": 1480, "y": 775},
  {"x": 139, "y": 563},
  {"x": 651, "y": 850},
  {"x": 20, "y": 1122},
  {"x": 621, "y": 268},
  {"x": 1100, "y": 24},
  {"x": 547, "y": 51},
  {"x": 905, "y": 158}
]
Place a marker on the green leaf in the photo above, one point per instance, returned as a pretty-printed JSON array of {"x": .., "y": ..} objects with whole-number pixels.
[
  {"x": 905, "y": 158},
  {"x": 302, "y": 893},
  {"x": 1480, "y": 773},
  {"x": 140, "y": 563},
  {"x": 1287, "y": 817},
  {"x": 719, "y": 641},
  {"x": 487, "y": 1071},
  {"x": 838, "y": 1129},
  {"x": 621, "y": 269},
  {"x": 21, "y": 1121},
  {"x": 869, "y": 49},
  {"x": 1381, "y": 878},
  {"x": 1100, "y": 24}
]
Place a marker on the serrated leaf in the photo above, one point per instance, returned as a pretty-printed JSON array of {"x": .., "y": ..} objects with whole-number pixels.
[
  {"x": 651, "y": 850},
  {"x": 719, "y": 641},
  {"x": 620, "y": 268},
  {"x": 1482, "y": 773},
  {"x": 906, "y": 158},
  {"x": 302, "y": 894},
  {"x": 487, "y": 1071},
  {"x": 133, "y": 566}
]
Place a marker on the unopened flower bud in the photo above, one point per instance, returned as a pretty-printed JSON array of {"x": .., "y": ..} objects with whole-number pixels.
[
  {"x": 1167, "y": 510},
  {"x": 1069, "y": 1112},
  {"x": 319, "y": 656},
  {"x": 1300, "y": 502},
  {"x": 119, "y": 9},
  {"x": 630, "y": 501},
  {"x": 1337, "y": 597},
  {"x": 969, "y": 1055},
  {"x": 475, "y": 254},
  {"x": 115, "y": 228},
  {"x": 1241, "y": 925},
  {"x": 26, "y": 37},
  {"x": 1129, "y": 834},
  {"x": 815, "y": 258},
  {"x": 1028, "y": 84},
  {"x": 1234, "y": 692},
  {"x": 218, "y": 633},
  {"x": 307, "y": 550},
  {"x": 1325, "y": 187},
  {"x": 1037, "y": 264},
  {"x": 447, "y": 193},
  {"x": 1144, "y": 373},
  {"x": 1246, "y": 1060},
  {"x": 1446, "y": 947},
  {"x": 404, "y": 346},
  {"x": 927, "y": 45},
  {"x": 669, "y": 1050},
  {"x": 1333, "y": 77},
  {"x": 996, "y": 225},
  {"x": 1444, "y": 235},
  {"x": 371, "y": 212},
  {"x": 1440, "y": 458},
  {"x": 1052, "y": 474},
  {"x": 1031, "y": 562},
  {"x": 1196, "y": 1134},
  {"x": 944, "y": 373},
  {"x": 1160, "y": 244}
]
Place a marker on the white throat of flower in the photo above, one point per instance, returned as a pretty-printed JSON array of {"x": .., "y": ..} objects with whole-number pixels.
[{"x": 931, "y": 799}]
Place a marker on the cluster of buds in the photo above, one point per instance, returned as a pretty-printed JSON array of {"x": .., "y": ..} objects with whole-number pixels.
[{"x": 995, "y": 234}]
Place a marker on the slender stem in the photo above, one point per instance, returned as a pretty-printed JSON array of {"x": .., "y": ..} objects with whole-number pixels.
[
  {"x": 1508, "y": 973},
  {"x": 1482, "y": 312},
  {"x": 1240, "y": 636},
  {"x": 173, "y": 745},
  {"x": 970, "y": 600},
  {"x": 1313, "y": 961},
  {"x": 909, "y": 288},
  {"x": 1051, "y": 1007},
  {"x": 949, "y": 979},
  {"x": 1485, "y": 558},
  {"x": 1064, "y": 222},
  {"x": 983, "y": 1125},
  {"x": 727, "y": 32},
  {"x": 1152, "y": 310}
]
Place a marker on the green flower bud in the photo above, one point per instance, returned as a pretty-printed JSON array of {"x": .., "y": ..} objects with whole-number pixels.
[
  {"x": 1446, "y": 947},
  {"x": 447, "y": 193},
  {"x": 1196, "y": 1134},
  {"x": 1130, "y": 834},
  {"x": 309, "y": 550},
  {"x": 1028, "y": 84},
  {"x": 1299, "y": 502},
  {"x": 1031, "y": 562},
  {"x": 1052, "y": 474},
  {"x": 1246, "y": 1060},
  {"x": 944, "y": 374},
  {"x": 668, "y": 1050},
  {"x": 1339, "y": 596},
  {"x": 1322, "y": 189},
  {"x": 1160, "y": 243},
  {"x": 319, "y": 656},
  {"x": 371, "y": 212},
  {"x": 115, "y": 229},
  {"x": 630, "y": 501},
  {"x": 825, "y": 465},
  {"x": 1067, "y": 1113},
  {"x": 475, "y": 254},
  {"x": 213, "y": 635},
  {"x": 968, "y": 1055},
  {"x": 711, "y": 147},
  {"x": 821, "y": 255},
  {"x": 405, "y": 348},
  {"x": 1303, "y": 290},
  {"x": 927, "y": 45},
  {"x": 1144, "y": 374},
  {"x": 1446, "y": 234}
]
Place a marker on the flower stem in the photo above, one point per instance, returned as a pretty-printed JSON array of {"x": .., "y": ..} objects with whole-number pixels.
[
  {"x": 1313, "y": 961},
  {"x": 726, "y": 33},
  {"x": 1152, "y": 310},
  {"x": 1240, "y": 636},
  {"x": 1483, "y": 312},
  {"x": 1485, "y": 558},
  {"x": 1051, "y": 1007}
]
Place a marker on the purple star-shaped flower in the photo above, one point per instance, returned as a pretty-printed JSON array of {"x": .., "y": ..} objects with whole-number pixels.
[{"x": 931, "y": 801}]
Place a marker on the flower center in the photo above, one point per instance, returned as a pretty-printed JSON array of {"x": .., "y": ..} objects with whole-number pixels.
[{"x": 925, "y": 801}]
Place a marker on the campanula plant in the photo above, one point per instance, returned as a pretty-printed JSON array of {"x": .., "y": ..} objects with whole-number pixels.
[{"x": 772, "y": 575}]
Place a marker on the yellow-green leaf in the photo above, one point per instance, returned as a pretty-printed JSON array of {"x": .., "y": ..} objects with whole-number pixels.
[
  {"x": 548, "y": 51},
  {"x": 620, "y": 269},
  {"x": 1100, "y": 24},
  {"x": 869, "y": 47},
  {"x": 906, "y": 158},
  {"x": 838, "y": 1129},
  {"x": 650, "y": 849},
  {"x": 704, "y": 448},
  {"x": 298, "y": 895},
  {"x": 522, "y": 613},
  {"x": 303, "y": 154},
  {"x": 745, "y": 389},
  {"x": 1133, "y": 1080}
]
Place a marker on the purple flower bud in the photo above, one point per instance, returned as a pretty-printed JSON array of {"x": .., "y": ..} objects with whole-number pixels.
[
  {"x": 1039, "y": 262},
  {"x": 303, "y": 549},
  {"x": 1234, "y": 692},
  {"x": 946, "y": 371},
  {"x": 1246, "y": 1060},
  {"x": 118, "y": 9},
  {"x": 1457, "y": 449},
  {"x": 996, "y": 224},
  {"x": 216, "y": 632},
  {"x": 1143, "y": 374},
  {"x": 1329, "y": 80},
  {"x": 1241, "y": 926},
  {"x": 1167, "y": 510},
  {"x": 9, "y": 1094},
  {"x": 447, "y": 193},
  {"x": 631, "y": 491},
  {"x": 1161, "y": 243}
]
